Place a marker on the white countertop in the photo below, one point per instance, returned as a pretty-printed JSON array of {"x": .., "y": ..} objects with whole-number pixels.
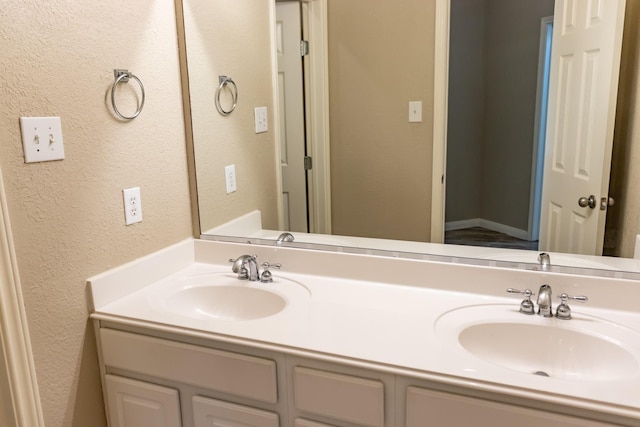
[{"x": 374, "y": 321}]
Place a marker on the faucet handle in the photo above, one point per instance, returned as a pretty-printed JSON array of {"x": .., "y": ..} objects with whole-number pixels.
[
  {"x": 266, "y": 276},
  {"x": 564, "y": 311},
  {"x": 526, "y": 306}
]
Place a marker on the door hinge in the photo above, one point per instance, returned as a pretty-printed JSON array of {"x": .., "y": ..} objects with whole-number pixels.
[
  {"x": 308, "y": 163},
  {"x": 304, "y": 47}
]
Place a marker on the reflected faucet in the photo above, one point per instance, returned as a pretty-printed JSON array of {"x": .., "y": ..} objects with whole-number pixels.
[
  {"x": 545, "y": 261},
  {"x": 284, "y": 237},
  {"x": 544, "y": 301}
]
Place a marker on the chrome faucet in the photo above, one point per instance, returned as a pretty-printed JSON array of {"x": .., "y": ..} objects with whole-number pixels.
[
  {"x": 544, "y": 301},
  {"x": 246, "y": 266},
  {"x": 545, "y": 261},
  {"x": 284, "y": 237}
]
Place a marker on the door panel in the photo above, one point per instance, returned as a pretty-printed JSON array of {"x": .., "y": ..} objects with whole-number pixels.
[{"x": 583, "y": 88}]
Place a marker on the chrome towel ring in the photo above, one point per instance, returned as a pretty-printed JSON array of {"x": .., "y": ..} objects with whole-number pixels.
[
  {"x": 123, "y": 76},
  {"x": 231, "y": 85}
]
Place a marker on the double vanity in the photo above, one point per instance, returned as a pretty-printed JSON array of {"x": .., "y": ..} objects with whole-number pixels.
[{"x": 191, "y": 336}]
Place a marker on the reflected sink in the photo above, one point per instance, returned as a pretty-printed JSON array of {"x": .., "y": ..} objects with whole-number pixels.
[
  {"x": 226, "y": 302},
  {"x": 584, "y": 348},
  {"x": 221, "y": 296},
  {"x": 548, "y": 351}
]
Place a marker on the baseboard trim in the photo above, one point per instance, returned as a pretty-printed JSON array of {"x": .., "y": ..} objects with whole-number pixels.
[{"x": 489, "y": 225}]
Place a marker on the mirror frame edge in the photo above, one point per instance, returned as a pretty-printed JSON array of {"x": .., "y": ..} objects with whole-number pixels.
[{"x": 188, "y": 125}]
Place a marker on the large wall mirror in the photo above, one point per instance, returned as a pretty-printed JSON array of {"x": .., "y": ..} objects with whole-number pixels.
[{"x": 367, "y": 108}]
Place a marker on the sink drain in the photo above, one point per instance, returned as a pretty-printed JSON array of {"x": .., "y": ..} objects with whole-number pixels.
[{"x": 541, "y": 373}]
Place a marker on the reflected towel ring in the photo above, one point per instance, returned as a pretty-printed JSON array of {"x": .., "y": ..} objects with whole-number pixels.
[
  {"x": 124, "y": 76},
  {"x": 225, "y": 82}
]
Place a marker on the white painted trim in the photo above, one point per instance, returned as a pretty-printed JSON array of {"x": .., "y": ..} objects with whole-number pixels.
[
  {"x": 440, "y": 112},
  {"x": 14, "y": 333},
  {"x": 276, "y": 114},
  {"x": 318, "y": 143},
  {"x": 489, "y": 225}
]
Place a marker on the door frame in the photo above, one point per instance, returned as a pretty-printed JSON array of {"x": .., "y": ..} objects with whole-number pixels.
[
  {"x": 539, "y": 135},
  {"x": 14, "y": 333},
  {"x": 440, "y": 119}
]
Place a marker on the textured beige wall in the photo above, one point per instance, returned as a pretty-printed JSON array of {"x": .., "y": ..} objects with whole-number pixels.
[
  {"x": 380, "y": 163},
  {"x": 232, "y": 41},
  {"x": 68, "y": 223}
]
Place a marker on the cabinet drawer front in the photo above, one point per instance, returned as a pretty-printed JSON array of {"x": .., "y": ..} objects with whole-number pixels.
[
  {"x": 232, "y": 373},
  {"x": 137, "y": 403},
  {"x": 301, "y": 422},
  {"x": 342, "y": 397},
  {"x": 428, "y": 407},
  {"x": 211, "y": 412}
]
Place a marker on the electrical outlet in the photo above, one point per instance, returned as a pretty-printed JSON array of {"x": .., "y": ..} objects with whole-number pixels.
[
  {"x": 230, "y": 178},
  {"x": 260, "y": 116},
  {"x": 41, "y": 139},
  {"x": 132, "y": 205}
]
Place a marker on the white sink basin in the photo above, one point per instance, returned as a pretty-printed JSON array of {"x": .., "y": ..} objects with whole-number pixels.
[
  {"x": 223, "y": 296},
  {"x": 549, "y": 351},
  {"x": 584, "y": 348},
  {"x": 228, "y": 302}
]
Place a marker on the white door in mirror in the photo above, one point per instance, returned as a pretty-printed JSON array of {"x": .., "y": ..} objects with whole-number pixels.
[
  {"x": 41, "y": 139},
  {"x": 132, "y": 205}
]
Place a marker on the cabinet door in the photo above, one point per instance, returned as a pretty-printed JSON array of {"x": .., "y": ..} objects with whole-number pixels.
[
  {"x": 135, "y": 403},
  {"x": 427, "y": 408},
  {"x": 216, "y": 413}
]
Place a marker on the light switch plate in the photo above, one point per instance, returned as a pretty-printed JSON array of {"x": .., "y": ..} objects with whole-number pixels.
[
  {"x": 260, "y": 115},
  {"x": 415, "y": 111},
  {"x": 41, "y": 139}
]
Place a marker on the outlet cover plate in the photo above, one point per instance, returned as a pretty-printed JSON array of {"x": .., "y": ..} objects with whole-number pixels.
[
  {"x": 230, "y": 178},
  {"x": 132, "y": 205},
  {"x": 41, "y": 139}
]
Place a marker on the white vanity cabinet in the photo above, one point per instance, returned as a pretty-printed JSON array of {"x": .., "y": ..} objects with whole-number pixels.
[{"x": 158, "y": 379}]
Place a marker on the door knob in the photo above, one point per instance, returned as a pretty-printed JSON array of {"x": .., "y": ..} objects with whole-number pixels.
[{"x": 590, "y": 201}]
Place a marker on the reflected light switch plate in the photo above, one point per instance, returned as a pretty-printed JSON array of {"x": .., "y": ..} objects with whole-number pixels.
[
  {"x": 260, "y": 115},
  {"x": 415, "y": 111}
]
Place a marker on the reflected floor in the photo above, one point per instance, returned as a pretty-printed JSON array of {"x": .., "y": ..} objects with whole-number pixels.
[{"x": 478, "y": 236}]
